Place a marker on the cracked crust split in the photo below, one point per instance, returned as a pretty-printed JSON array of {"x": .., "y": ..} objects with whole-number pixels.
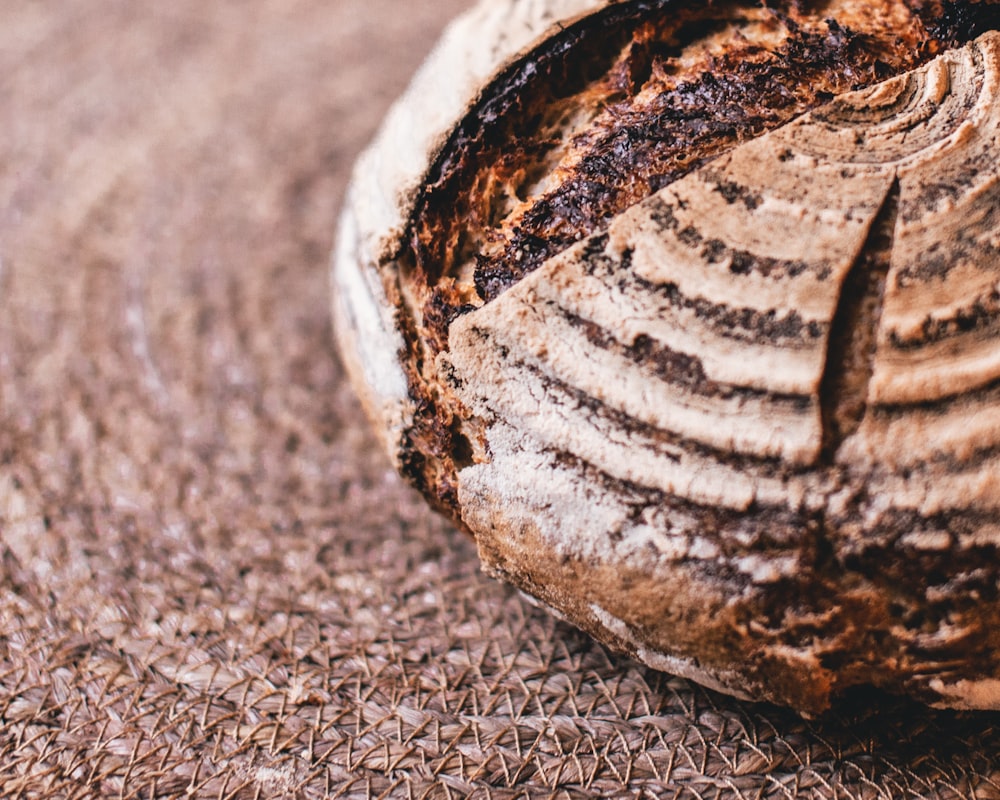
[{"x": 680, "y": 341}]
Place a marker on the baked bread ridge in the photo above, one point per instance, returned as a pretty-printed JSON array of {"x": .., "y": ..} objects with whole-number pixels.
[
  {"x": 863, "y": 566},
  {"x": 720, "y": 647}
]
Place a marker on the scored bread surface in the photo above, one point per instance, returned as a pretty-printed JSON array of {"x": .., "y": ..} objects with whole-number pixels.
[{"x": 697, "y": 337}]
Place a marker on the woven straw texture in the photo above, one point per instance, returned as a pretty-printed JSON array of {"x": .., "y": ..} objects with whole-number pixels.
[{"x": 211, "y": 586}]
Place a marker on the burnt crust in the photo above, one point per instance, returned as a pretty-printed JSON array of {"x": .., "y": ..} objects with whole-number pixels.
[
  {"x": 502, "y": 198},
  {"x": 700, "y": 110}
]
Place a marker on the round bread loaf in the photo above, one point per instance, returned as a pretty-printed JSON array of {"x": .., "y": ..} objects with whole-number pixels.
[{"x": 689, "y": 313}]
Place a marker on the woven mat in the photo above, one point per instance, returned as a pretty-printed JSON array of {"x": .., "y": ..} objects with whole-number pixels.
[{"x": 211, "y": 586}]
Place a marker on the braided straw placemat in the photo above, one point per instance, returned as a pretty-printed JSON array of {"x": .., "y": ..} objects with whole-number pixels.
[{"x": 211, "y": 585}]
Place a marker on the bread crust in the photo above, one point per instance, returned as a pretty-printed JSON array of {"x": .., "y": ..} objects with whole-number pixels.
[
  {"x": 386, "y": 181},
  {"x": 716, "y": 413}
]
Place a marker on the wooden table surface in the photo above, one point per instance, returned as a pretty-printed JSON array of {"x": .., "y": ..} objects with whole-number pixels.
[{"x": 211, "y": 585}]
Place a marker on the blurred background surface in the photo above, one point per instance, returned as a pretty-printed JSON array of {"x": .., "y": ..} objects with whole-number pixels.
[{"x": 211, "y": 584}]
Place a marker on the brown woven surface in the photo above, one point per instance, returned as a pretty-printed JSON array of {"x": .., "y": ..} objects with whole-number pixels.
[{"x": 210, "y": 584}]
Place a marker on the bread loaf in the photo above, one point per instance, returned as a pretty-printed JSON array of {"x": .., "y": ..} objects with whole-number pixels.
[{"x": 688, "y": 312}]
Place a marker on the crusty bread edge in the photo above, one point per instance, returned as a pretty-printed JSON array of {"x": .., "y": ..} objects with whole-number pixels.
[
  {"x": 387, "y": 176},
  {"x": 384, "y": 184}
]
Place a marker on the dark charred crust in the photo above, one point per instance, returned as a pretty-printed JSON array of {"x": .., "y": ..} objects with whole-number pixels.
[
  {"x": 742, "y": 324},
  {"x": 988, "y": 392},
  {"x": 670, "y": 365},
  {"x": 958, "y": 22},
  {"x": 500, "y": 127},
  {"x": 981, "y": 317},
  {"x": 501, "y": 198},
  {"x": 442, "y": 307},
  {"x": 664, "y": 442},
  {"x": 426, "y": 452},
  {"x": 508, "y": 140},
  {"x": 714, "y": 251},
  {"x": 426, "y": 460},
  {"x": 934, "y": 593},
  {"x": 637, "y": 149},
  {"x": 677, "y": 368},
  {"x": 734, "y": 192},
  {"x": 895, "y": 604},
  {"x": 942, "y": 257}
]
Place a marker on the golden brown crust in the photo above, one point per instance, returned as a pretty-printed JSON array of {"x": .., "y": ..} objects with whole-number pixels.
[
  {"x": 554, "y": 149},
  {"x": 666, "y": 396}
]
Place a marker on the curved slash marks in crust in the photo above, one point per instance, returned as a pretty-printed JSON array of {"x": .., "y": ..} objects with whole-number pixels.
[{"x": 850, "y": 360}]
